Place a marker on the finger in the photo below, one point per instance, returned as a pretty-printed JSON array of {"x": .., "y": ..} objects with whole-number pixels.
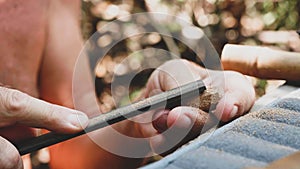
[
  {"x": 238, "y": 97},
  {"x": 181, "y": 117},
  {"x": 181, "y": 125},
  {"x": 20, "y": 108},
  {"x": 9, "y": 156},
  {"x": 160, "y": 120},
  {"x": 232, "y": 105},
  {"x": 228, "y": 108}
]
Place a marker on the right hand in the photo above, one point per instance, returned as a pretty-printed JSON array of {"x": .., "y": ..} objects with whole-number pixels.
[{"x": 21, "y": 111}]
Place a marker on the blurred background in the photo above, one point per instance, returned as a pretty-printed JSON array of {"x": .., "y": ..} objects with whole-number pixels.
[{"x": 249, "y": 22}]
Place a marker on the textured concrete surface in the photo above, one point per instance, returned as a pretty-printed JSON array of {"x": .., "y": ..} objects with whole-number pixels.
[
  {"x": 204, "y": 158},
  {"x": 289, "y": 117},
  {"x": 278, "y": 133},
  {"x": 256, "y": 139},
  {"x": 247, "y": 146},
  {"x": 288, "y": 103}
]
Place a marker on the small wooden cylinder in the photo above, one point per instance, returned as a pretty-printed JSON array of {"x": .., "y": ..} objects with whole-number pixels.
[{"x": 262, "y": 62}]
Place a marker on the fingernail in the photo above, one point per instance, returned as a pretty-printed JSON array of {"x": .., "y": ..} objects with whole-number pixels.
[
  {"x": 233, "y": 112},
  {"x": 184, "y": 121},
  {"x": 78, "y": 120}
]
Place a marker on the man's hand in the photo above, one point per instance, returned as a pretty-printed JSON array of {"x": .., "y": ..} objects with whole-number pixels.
[
  {"x": 18, "y": 110},
  {"x": 237, "y": 97}
]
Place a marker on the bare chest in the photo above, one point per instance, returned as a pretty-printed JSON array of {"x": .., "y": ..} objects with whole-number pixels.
[{"x": 22, "y": 42}]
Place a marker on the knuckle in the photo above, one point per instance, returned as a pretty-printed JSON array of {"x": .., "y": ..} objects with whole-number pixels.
[{"x": 16, "y": 102}]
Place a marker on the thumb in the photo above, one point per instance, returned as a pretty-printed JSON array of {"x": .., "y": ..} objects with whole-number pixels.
[
  {"x": 19, "y": 108},
  {"x": 9, "y": 156},
  {"x": 178, "y": 126}
]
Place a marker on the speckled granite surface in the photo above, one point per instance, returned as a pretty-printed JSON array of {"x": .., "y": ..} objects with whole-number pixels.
[{"x": 256, "y": 139}]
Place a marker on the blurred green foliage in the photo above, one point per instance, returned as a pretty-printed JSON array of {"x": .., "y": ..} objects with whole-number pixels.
[
  {"x": 234, "y": 21},
  {"x": 223, "y": 21}
]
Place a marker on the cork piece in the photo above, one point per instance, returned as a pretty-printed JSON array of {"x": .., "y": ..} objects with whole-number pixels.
[{"x": 206, "y": 101}]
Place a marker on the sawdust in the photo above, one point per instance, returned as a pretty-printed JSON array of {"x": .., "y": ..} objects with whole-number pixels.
[{"x": 206, "y": 101}]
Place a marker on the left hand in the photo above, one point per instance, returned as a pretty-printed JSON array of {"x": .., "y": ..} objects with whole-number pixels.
[{"x": 238, "y": 97}]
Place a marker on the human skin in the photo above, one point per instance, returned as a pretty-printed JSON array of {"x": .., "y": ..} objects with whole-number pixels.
[
  {"x": 42, "y": 42},
  {"x": 237, "y": 97},
  {"x": 38, "y": 56},
  {"x": 23, "y": 51},
  {"x": 18, "y": 110}
]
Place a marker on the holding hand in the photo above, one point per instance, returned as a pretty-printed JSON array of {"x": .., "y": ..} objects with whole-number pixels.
[
  {"x": 237, "y": 97},
  {"x": 19, "y": 111}
]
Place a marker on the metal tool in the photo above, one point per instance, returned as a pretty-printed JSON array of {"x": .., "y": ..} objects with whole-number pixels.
[{"x": 168, "y": 99}]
